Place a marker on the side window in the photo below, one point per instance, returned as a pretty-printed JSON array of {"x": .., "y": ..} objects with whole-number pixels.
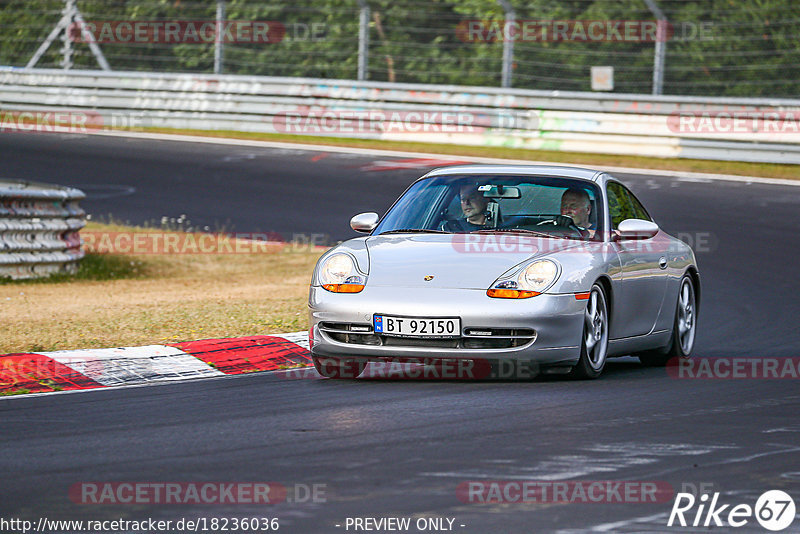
[
  {"x": 619, "y": 204},
  {"x": 453, "y": 208},
  {"x": 638, "y": 209}
]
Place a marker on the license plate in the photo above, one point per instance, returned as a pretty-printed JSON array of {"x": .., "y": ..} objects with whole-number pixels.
[{"x": 417, "y": 326}]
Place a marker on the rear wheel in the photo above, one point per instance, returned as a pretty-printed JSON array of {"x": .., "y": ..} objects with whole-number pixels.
[
  {"x": 594, "y": 343},
  {"x": 338, "y": 367},
  {"x": 683, "y": 329}
]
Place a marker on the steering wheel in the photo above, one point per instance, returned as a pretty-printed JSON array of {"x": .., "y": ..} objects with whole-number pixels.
[{"x": 565, "y": 221}]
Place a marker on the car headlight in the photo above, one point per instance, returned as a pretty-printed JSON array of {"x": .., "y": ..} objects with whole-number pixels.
[
  {"x": 530, "y": 281},
  {"x": 338, "y": 274}
]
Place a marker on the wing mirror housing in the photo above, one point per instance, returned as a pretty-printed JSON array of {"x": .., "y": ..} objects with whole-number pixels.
[
  {"x": 637, "y": 229},
  {"x": 364, "y": 222}
]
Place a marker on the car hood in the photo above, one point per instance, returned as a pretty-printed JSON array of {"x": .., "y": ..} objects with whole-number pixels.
[{"x": 462, "y": 261}]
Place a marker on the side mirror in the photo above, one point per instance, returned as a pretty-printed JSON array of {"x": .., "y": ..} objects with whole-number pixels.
[
  {"x": 364, "y": 222},
  {"x": 637, "y": 229}
]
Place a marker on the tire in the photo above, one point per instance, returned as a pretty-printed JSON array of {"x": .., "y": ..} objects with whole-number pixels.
[
  {"x": 684, "y": 328},
  {"x": 594, "y": 341},
  {"x": 338, "y": 368}
]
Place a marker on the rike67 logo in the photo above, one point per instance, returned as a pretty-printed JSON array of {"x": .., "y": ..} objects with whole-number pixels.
[{"x": 774, "y": 510}]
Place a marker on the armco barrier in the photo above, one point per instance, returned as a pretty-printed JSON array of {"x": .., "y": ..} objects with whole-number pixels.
[
  {"x": 39, "y": 225},
  {"x": 549, "y": 120}
]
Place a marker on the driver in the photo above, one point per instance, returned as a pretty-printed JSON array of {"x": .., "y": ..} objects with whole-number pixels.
[{"x": 576, "y": 205}]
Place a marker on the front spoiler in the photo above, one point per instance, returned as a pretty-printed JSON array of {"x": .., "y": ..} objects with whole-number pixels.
[{"x": 557, "y": 319}]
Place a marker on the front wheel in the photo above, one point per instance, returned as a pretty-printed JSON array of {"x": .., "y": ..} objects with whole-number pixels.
[
  {"x": 338, "y": 368},
  {"x": 594, "y": 343},
  {"x": 683, "y": 329}
]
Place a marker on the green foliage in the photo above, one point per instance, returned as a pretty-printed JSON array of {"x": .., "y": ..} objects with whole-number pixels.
[{"x": 720, "y": 47}]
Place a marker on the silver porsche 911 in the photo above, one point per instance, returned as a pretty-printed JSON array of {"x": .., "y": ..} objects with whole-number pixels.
[{"x": 553, "y": 268}]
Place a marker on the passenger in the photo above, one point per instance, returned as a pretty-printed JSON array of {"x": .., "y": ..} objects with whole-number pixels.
[{"x": 473, "y": 206}]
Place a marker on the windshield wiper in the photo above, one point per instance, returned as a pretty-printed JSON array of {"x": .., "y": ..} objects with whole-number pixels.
[
  {"x": 413, "y": 230},
  {"x": 521, "y": 231}
]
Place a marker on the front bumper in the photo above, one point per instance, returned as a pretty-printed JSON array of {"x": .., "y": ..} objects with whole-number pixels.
[{"x": 556, "y": 319}]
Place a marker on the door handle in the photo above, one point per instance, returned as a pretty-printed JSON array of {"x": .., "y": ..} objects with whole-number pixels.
[{"x": 662, "y": 262}]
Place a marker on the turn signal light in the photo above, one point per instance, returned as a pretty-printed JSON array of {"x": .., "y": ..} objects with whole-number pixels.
[
  {"x": 511, "y": 294},
  {"x": 344, "y": 288}
]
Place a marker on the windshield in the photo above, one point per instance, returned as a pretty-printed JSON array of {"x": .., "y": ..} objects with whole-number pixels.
[{"x": 558, "y": 207}]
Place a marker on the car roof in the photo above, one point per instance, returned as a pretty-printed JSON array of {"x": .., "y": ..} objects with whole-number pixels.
[{"x": 533, "y": 170}]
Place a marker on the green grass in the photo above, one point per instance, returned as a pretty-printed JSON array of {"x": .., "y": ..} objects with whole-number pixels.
[
  {"x": 21, "y": 391},
  {"x": 118, "y": 300},
  {"x": 93, "y": 267}
]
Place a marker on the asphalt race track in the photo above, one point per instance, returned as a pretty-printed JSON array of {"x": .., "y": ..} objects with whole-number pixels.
[{"x": 401, "y": 448}]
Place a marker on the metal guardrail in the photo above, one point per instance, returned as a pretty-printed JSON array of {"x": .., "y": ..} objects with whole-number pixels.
[
  {"x": 642, "y": 125},
  {"x": 39, "y": 229}
]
